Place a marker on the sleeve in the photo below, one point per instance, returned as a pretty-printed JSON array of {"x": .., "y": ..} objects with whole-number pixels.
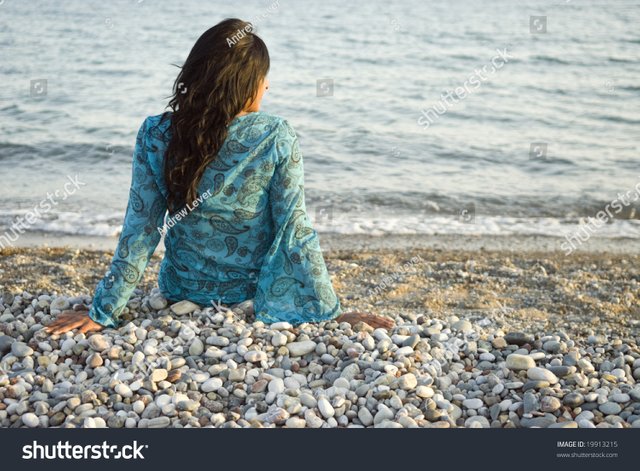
[
  {"x": 140, "y": 235},
  {"x": 293, "y": 284}
]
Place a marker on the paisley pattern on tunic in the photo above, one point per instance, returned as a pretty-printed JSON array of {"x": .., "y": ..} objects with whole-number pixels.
[{"x": 250, "y": 238}]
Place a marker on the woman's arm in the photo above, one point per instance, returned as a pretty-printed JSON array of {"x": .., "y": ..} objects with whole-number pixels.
[
  {"x": 293, "y": 284},
  {"x": 139, "y": 238}
]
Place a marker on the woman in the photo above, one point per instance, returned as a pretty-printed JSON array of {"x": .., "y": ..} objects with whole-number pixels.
[{"x": 231, "y": 179}]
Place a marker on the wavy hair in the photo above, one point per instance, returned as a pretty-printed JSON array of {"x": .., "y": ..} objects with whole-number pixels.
[{"x": 220, "y": 77}]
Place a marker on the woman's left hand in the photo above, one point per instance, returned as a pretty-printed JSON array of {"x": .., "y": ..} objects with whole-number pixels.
[{"x": 70, "y": 320}]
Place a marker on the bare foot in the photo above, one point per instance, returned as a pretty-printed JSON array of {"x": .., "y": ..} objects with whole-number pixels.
[{"x": 373, "y": 320}]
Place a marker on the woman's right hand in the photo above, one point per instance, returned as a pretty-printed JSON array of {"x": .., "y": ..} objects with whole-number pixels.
[
  {"x": 70, "y": 320},
  {"x": 373, "y": 320}
]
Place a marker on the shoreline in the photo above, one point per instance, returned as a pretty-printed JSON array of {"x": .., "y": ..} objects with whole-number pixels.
[{"x": 333, "y": 241}]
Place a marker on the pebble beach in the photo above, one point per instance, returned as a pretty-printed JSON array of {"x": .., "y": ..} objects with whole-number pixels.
[{"x": 483, "y": 339}]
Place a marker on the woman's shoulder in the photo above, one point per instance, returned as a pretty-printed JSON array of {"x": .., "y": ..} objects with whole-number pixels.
[
  {"x": 153, "y": 137},
  {"x": 158, "y": 126},
  {"x": 269, "y": 122}
]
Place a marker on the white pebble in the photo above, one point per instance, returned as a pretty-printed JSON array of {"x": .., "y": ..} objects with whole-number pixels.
[
  {"x": 30, "y": 420},
  {"x": 325, "y": 408}
]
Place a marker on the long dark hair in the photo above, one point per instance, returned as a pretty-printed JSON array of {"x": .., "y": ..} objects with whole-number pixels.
[{"x": 221, "y": 75}]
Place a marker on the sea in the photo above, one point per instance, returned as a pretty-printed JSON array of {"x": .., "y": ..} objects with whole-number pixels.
[{"x": 457, "y": 117}]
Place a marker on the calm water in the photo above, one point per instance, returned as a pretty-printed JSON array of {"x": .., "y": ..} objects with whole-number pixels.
[{"x": 548, "y": 139}]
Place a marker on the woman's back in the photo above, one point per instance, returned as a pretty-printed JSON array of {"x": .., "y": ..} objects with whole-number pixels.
[
  {"x": 219, "y": 245},
  {"x": 247, "y": 235}
]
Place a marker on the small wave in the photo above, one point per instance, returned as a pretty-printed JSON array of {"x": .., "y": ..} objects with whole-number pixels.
[
  {"x": 11, "y": 108},
  {"x": 617, "y": 119},
  {"x": 463, "y": 57},
  {"x": 552, "y": 60},
  {"x": 65, "y": 152},
  {"x": 550, "y": 164},
  {"x": 110, "y": 72},
  {"x": 621, "y": 60},
  {"x": 9, "y": 150},
  {"x": 469, "y": 224},
  {"x": 547, "y": 90},
  {"x": 105, "y": 225}
]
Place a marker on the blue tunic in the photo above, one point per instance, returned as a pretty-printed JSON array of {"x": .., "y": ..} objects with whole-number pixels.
[{"x": 247, "y": 236}]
